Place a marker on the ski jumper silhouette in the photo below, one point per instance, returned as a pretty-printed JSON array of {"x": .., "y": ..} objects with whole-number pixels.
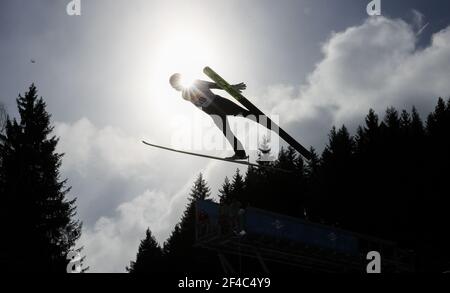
[
  {"x": 219, "y": 108},
  {"x": 200, "y": 94}
]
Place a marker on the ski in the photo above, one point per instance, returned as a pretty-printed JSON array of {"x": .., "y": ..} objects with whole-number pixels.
[
  {"x": 252, "y": 108},
  {"x": 215, "y": 158}
]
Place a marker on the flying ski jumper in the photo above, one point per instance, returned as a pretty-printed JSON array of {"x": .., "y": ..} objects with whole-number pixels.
[{"x": 219, "y": 108}]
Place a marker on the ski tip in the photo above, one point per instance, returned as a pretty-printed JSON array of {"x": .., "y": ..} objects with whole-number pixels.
[{"x": 208, "y": 71}]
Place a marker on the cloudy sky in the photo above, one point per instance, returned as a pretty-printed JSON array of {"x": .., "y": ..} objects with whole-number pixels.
[{"x": 104, "y": 76}]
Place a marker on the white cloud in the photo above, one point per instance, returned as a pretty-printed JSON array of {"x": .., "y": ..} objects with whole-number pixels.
[
  {"x": 111, "y": 150},
  {"x": 107, "y": 167},
  {"x": 374, "y": 65},
  {"x": 112, "y": 243}
]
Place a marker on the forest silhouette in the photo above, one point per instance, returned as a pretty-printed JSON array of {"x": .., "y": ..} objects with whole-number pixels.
[{"x": 389, "y": 180}]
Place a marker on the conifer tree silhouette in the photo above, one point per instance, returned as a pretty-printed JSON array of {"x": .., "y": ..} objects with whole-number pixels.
[
  {"x": 149, "y": 258},
  {"x": 225, "y": 191},
  {"x": 180, "y": 253},
  {"x": 36, "y": 215}
]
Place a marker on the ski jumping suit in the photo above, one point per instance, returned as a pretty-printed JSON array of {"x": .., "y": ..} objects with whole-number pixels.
[{"x": 218, "y": 108}]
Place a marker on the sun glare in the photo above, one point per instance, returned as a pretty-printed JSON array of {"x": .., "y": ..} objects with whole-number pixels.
[
  {"x": 186, "y": 82},
  {"x": 183, "y": 52}
]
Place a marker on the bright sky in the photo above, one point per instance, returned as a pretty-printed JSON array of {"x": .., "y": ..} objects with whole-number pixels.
[{"x": 104, "y": 76}]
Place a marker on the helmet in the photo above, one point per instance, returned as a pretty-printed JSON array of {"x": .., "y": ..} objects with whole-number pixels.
[{"x": 175, "y": 80}]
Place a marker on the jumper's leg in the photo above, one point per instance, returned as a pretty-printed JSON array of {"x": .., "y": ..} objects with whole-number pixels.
[{"x": 222, "y": 123}]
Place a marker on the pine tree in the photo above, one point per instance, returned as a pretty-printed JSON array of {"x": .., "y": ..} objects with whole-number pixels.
[
  {"x": 179, "y": 249},
  {"x": 391, "y": 119},
  {"x": 336, "y": 170},
  {"x": 340, "y": 147},
  {"x": 417, "y": 127},
  {"x": 287, "y": 159},
  {"x": 149, "y": 258},
  {"x": 291, "y": 185},
  {"x": 312, "y": 177},
  {"x": 438, "y": 122},
  {"x": 237, "y": 187},
  {"x": 173, "y": 248},
  {"x": 367, "y": 138},
  {"x": 200, "y": 190},
  {"x": 312, "y": 166},
  {"x": 371, "y": 120},
  {"x": 225, "y": 191},
  {"x": 405, "y": 121},
  {"x": 35, "y": 212}
]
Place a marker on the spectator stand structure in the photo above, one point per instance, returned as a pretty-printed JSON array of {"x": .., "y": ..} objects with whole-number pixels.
[{"x": 287, "y": 242}]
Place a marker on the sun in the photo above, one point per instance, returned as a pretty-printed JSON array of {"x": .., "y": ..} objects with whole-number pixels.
[
  {"x": 186, "y": 82},
  {"x": 184, "y": 52},
  {"x": 181, "y": 50}
]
